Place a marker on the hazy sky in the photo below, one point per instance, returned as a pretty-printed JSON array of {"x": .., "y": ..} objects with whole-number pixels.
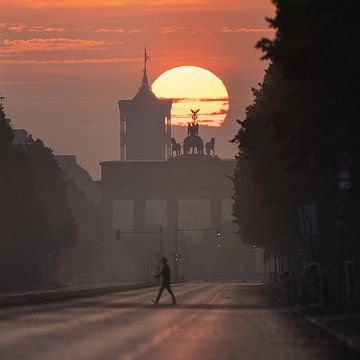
[{"x": 65, "y": 63}]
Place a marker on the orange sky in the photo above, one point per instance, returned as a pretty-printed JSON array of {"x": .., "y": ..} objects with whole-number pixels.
[{"x": 65, "y": 63}]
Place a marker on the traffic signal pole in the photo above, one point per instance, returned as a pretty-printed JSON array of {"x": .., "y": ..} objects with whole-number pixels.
[
  {"x": 176, "y": 250},
  {"x": 160, "y": 232},
  {"x": 177, "y": 230}
]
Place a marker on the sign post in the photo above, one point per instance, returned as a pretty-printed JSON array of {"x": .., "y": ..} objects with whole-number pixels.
[
  {"x": 308, "y": 225},
  {"x": 342, "y": 200}
]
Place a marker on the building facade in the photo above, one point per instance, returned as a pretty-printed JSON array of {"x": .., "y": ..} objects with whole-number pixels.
[{"x": 145, "y": 125}]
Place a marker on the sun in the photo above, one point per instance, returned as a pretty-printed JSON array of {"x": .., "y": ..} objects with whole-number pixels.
[{"x": 193, "y": 87}]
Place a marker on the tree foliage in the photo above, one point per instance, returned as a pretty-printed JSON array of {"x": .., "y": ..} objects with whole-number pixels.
[
  {"x": 20, "y": 232},
  {"x": 50, "y": 190},
  {"x": 35, "y": 219},
  {"x": 303, "y": 118}
]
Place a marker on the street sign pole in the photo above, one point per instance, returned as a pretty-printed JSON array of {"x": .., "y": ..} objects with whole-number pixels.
[
  {"x": 342, "y": 197},
  {"x": 176, "y": 250},
  {"x": 308, "y": 228},
  {"x": 161, "y": 240}
]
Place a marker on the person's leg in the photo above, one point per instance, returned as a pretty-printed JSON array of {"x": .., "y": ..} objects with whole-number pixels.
[
  {"x": 160, "y": 292},
  {"x": 168, "y": 287}
]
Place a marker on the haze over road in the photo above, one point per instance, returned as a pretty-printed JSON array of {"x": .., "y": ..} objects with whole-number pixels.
[{"x": 212, "y": 321}]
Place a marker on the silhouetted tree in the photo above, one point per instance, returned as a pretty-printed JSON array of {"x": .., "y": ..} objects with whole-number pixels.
[
  {"x": 21, "y": 218},
  {"x": 303, "y": 117},
  {"x": 35, "y": 220},
  {"x": 50, "y": 192}
]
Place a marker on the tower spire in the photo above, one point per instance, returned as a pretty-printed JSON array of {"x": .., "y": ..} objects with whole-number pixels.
[{"x": 145, "y": 81}]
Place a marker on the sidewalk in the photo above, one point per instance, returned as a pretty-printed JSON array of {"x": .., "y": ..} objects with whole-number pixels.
[
  {"x": 340, "y": 322},
  {"x": 66, "y": 292}
]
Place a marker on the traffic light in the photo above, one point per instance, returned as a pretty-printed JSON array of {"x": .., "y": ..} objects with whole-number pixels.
[
  {"x": 218, "y": 233},
  {"x": 177, "y": 257}
]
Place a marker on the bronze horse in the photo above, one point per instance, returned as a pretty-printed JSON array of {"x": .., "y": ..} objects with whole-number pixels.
[
  {"x": 175, "y": 147},
  {"x": 210, "y": 146},
  {"x": 192, "y": 142}
]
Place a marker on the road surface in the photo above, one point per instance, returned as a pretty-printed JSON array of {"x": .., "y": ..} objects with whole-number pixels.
[{"x": 215, "y": 320}]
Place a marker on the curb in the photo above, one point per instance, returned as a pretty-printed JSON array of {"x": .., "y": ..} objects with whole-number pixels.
[
  {"x": 342, "y": 338},
  {"x": 339, "y": 337},
  {"x": 316, "y": 323},
  {"x": 63, "y": 295}
]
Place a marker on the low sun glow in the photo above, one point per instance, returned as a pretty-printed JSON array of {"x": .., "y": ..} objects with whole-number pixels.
[{"x": 192, "y": 87}]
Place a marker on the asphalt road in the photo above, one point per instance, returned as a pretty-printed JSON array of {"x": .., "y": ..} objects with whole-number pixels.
[{"x": 211, "y": 321}]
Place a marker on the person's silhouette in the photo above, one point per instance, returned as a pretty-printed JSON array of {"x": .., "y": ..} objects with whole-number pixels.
[{"x": 165, "y": 273}]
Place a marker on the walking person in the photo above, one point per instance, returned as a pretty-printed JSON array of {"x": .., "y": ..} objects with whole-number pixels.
[{"x": 165, "y": 273}]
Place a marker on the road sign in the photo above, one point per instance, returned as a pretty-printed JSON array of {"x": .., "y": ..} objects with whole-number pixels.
[
  {"x": 340, "y": 212},
  {"x": 341, "y": 198},
  {"x": 345, "y": 161},
  {"x": 344, "y": 174},
  {"x": 344, "y": 185},
  {"x": 308, "y": 220},
  {"x": 341, "y": 224}
]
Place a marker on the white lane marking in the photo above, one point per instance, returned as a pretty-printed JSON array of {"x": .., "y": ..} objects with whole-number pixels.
[
  {"x": 113, "y": 338},
  {"x": 16, "y": 334},
  {"x": 88, "y": 344},
  {"x": 159, "y": 338}
]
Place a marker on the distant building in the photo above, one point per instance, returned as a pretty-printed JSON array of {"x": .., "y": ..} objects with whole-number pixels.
[
  {"x": 20, "y": 137},
  {"x": 145, "y": 125},
  {"x": 80, "y": 176}
]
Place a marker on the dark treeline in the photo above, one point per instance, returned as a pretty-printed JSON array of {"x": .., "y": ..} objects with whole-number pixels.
[
  {"x": 41, "y": 212},
  {"x": 304, "y": 117}
]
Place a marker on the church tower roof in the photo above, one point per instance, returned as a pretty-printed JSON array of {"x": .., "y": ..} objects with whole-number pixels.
[
  {"x": 145, "y": 124},
  {"x": 145, "y": 92},
  {"x": 145, "y": 81}
]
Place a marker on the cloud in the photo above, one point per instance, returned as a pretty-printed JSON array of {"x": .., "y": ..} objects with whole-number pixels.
[
  {"x": 21, "y": 27},
  {"x": 220, "y": 112},
  {"x": 178, "y": 116},
  {"x": 13, "y": 27},
  {"x": 45, "y": 29},
  {"x": 224, "y": 100},
  {"x": 177, "y": 5},
  {"x": 26, "y": 28},
  {"x": 213, "y": 99},
  {"x": 37, "y": 82},
  {"x": 206, "y": 121},
  {"x": 120, "y": 30},
  {"x": 167, "y": 30},
  {"x": 95, "y": 3},
  {"x": 57, "y": 44},
  {"x": 225, "y": 29},
  {"x": 68, "y": 61},
  {"x": 177, "y": 100}
]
